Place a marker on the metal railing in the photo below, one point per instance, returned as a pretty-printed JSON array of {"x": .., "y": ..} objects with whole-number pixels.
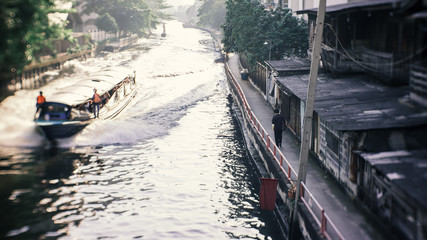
[{"x": 316, "y": 211}]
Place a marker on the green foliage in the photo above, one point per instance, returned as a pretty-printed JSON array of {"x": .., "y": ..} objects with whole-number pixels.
[
  {"x": 212, "y": 13},
  {"x": 107, "y": 23},
  {"x": 254, "y": 32},
  {"x": 26, "y": 30},
  {"x": 157, "y": 14},
  {"x": 288, "y": 34},
  {"x": 79, "y": 48},
  {"x": 131, "y": 16}
]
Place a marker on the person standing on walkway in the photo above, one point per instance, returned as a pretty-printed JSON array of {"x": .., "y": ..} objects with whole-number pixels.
[
  {"x": 96, "y": 102},
  {"x": 279, "y": 125}
]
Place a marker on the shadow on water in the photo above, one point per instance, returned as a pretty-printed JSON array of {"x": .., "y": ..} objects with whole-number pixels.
[
  {"x": 29, "y": 179},
  {"x": 245, "y": 185}
]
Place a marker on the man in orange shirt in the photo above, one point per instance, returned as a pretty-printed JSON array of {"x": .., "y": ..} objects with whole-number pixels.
[
  {"x": 40, "y": 101},
  {"x": 96, "y": 102}
]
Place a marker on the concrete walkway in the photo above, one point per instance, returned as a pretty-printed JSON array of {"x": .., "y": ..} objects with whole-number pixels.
[{"x": 349, "y": 219}]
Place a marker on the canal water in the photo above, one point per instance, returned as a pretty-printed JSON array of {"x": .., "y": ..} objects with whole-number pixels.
[{"x": 173, "y": 165}]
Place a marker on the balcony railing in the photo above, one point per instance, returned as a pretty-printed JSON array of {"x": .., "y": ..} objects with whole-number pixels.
[
  {"x": 340, "y": 61},
  {"x": 377, "y": 62},
  {"x": 383, "y": 65}
]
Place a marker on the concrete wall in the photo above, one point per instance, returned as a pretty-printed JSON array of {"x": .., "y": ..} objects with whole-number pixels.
[{"x": 337, "y": 158}]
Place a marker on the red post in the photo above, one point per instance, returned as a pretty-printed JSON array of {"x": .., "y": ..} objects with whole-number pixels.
[
  {"x": 281, "y": 160},
  {"x": 289, "y": 171},
  {"x": 323, "y": 223}
]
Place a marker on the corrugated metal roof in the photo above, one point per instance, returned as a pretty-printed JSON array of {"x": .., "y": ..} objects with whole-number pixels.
[
  {"x": 359, "y": 6},
  {"x": 405, "y": 169},
  {"x": 358, "y": 102},
  {"x": 300, "y": 64}
]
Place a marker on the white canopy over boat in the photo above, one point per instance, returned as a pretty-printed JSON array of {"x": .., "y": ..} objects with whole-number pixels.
[{"x": 82, "y": 90}]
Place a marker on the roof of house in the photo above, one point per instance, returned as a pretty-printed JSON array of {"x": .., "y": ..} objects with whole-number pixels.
[
  {"x": 299, "y": 64},
  {"x": 357, "y": 102},
  {"x": 405, "y": 169},
  {"x": 361, "y": 6}
]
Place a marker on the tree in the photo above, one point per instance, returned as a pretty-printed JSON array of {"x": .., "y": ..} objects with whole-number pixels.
[
  {"x": 248, "y": 27},
  {"x": 107, "y": 23},
  {"x": 241, "y": 32},
  {"x": 131, "y": 16},
  {"x": 157, "y": 14},
  {"x": 212, "y": 13},
  {"x": 26, "y": 30},
  {"x": 288, "y": 34}
]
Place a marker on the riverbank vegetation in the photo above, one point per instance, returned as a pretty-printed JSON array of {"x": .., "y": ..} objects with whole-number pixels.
[
  {"x": 259, "y": 34},
  {"x": 212, "y": 14},
  {"x": 26, "y": 30},
  {"x": 29, "y": 32},
  {"x": 254, "y": 32},
  {"x": 127, "y": 16}
]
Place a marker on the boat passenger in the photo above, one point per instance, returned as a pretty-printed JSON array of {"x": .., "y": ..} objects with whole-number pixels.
[
  {"x": 96, "y": 102},
  {"x": 40, "y": 101}
]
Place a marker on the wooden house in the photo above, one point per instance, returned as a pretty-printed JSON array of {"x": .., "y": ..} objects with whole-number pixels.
[
  {"x": 370, "y": 113},
  {"x": 384, "y": 38}
]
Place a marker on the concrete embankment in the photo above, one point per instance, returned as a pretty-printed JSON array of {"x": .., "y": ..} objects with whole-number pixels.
[{"x": 33, "y": 75}]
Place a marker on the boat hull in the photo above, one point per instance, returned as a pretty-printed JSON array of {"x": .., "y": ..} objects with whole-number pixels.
[{"x": 53, "y": 130}]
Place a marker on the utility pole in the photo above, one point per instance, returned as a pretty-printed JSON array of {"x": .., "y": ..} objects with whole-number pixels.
[{"x": 308, "y": 117}]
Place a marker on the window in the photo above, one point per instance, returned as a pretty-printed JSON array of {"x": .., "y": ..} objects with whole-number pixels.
[{"x": 332, "y": 142}]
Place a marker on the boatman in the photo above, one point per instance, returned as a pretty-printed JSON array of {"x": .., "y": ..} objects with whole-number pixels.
[
  {"x": 279, "y": 125},
  {"x": 40, "y": 101},
  {"x": 96, "y": 102}
]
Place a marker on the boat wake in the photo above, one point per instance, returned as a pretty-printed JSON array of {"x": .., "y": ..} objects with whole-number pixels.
[
  {"x": 170, "y": 80},
  {"x": 138, "y": 124}
]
